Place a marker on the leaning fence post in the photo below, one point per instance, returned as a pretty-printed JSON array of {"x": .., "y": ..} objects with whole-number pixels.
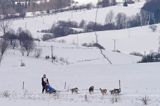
[
  {"x": 23, "y": 85},
  {"x": 65, "y": 85}
]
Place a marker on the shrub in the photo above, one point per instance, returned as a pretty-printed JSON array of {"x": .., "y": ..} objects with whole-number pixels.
[
  {"x": 136, "y": 54},
  {"x": 47, "y": 37},
  {"x": 98, "y": 46},
  {"x": 145, "y": 100},
  {"x": 125, "y": 4},
  {"x": 93, "y": 45},
  {"x": 152, "y": 57},
  {"x": 153, "y": 27},
  {"x": 6, "y": 94},
  {"x": 59, "y": 31}
]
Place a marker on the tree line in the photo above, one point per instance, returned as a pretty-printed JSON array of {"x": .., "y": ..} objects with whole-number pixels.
[
  {"x": 17, "y": 39},
  {"x": 9, "y": 7}
]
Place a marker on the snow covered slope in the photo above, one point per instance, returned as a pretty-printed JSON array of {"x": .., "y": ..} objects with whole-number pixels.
[
  {"x": 39, "y": 23},
  {"x": 137, "y": 80},
  {"x": 140, "y": 39},
  {"x": 82, "y": 67},
  {"x": 128, "y": 40},
  {"x": 95, "y": 1}
]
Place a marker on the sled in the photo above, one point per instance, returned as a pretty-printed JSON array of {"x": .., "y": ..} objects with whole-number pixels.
[{"x": 50, "y": 89}]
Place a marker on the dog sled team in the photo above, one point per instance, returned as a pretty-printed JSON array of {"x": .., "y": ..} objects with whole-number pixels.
[
  {"x": 48, "y": 89},
  {"x": 103, "y": 91}
]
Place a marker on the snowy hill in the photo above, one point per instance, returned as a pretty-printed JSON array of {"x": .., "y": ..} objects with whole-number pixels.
[
  {"x": 78, "y": 66},
  {"x": 137, "y": 80},
  {"x": 125, "y": 38},
  {"x": 95, "y": 1},
  {"x": 140, "y": 39},
  {"x": 45, "y": 22}
]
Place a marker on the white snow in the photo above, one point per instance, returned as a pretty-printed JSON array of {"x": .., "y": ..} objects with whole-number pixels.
[
  {"x": 82, "y": 67},
  {"x": 140, "y": 39},
  {"x": 39, "y": 23},
  {"x": 137, "y": 80}
]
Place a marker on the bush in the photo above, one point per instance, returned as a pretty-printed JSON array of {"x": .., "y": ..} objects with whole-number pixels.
[
  {"x": 152, "y": 57},
  {"x": 125, "y": 4},
  {"x": 153, "y": 27},
  {"x": 6, "y": 94},
  {"x": 63, "y": 28},
  {"x": 47, "y": 37},
  {"x": 98, "y": 46},
  {"x": 145, "y": 100},
  {"x": 92, "y": 26},
  {"x": 136, "y": 54},
  {"x": 93, "y": 45}
]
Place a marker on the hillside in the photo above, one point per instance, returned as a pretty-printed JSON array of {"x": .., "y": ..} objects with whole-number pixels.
[
  {"x": 137, "y": 80},
  {"x": 140, "y": 39},
  {"x": 125, "y": 38},
  {"x": 74, "y": 65},
  {"x": 45, "y": 22}
]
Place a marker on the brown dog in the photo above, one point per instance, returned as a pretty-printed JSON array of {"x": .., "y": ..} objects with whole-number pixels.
[{"x": 103, "y": 91}]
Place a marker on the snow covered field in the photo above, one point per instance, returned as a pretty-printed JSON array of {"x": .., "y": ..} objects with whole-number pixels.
[
  {"x": 82, "y": 67},
  {"x": 86, "y": 67},
  {"x": 83, "y": 71}
]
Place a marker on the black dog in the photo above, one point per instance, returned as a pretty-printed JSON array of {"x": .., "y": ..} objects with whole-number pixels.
[
  {"x": 91, "y": 89},
  {"x": 115, "y": 91},
  {"x": 74, "y": 90}
]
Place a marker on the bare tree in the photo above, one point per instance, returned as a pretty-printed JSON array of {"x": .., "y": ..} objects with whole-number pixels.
[
  {"x": 121, "y": 20},
  {"x": 3, "y": 7},
  {"x": 3, "y": 48},
  {"x": 28, "y": 45},
  {"x": 4, "y": 26},
  {"x": 109, "y": 17},
  {"x": 11, "y": 37}
]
